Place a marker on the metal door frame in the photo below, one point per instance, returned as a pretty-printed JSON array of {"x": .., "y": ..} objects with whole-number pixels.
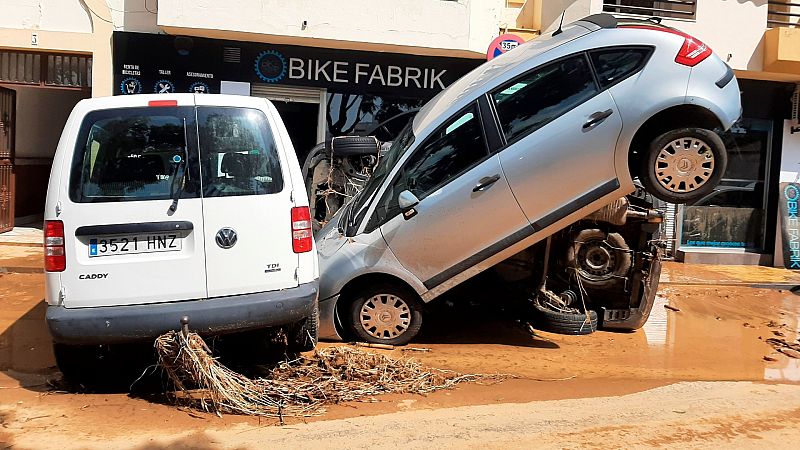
[{"x": 8, "y": 135}]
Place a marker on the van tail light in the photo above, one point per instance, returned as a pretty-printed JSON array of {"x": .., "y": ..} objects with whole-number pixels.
[
  {"x": 302, "y": 237},
  {"x": 692, "y": 52},
  {"x": 55, "y": 259}
]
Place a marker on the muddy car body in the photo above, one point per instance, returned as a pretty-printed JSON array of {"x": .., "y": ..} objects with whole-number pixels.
[{"x": 516, "y": 152}]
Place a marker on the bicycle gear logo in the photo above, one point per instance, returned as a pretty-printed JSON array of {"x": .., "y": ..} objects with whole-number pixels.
[
  {"x": 131, "y": 86},
  {"x": 270, "y": 66}
]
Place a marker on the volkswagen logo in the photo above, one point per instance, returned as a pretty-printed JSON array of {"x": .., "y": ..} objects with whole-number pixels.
[{"x": 226, "y": 237}]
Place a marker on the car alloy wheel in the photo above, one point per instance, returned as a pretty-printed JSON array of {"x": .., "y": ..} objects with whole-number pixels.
[
  {"x": 385, "y": 316},
  {"x": 684, "y": 165}
]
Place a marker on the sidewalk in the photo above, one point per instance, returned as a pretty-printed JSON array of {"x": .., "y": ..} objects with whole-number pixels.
[{"x": 24, "y": 236}]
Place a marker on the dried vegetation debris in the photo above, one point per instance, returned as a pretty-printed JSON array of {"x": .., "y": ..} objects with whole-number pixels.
[{"x": 299, "y": 388}]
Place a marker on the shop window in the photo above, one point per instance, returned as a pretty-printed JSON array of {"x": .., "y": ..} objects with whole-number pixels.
[
  {"x": 380, "y": 116},
  {"x": 733, "y": 215}
]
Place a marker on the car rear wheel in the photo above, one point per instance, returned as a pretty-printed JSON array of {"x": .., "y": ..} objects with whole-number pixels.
[
  {"x": 565, "y": 322},
  {"x": 682, "y": 165},
  {"x": 600, "y": 259},
  {"x": 386, "y": 314}
]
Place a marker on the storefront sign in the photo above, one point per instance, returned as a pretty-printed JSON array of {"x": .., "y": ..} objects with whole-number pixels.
[
  {"x": 181, "y": 64},
  {"x": 790, "y": 226},
  {"x": 502, "y": 44}
]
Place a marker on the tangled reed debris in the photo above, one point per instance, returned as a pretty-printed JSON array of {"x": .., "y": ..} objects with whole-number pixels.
[{"x": 299, "y": 388}]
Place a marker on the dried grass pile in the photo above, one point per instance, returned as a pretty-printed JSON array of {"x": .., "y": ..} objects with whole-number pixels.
[{"x": 298, "y": 388}]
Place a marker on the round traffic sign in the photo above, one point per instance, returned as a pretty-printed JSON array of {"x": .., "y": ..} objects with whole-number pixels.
[{"x": 502, "y": 44}]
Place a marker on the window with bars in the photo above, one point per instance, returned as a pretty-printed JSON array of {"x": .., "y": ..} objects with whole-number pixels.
[
  {"x": 46, "y": 69},
  {"x": 680, "y": 9},
  {"x": 783, "y": 13}
]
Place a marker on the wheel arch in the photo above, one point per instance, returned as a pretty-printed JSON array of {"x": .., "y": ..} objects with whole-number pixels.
[
  {"x": 346, "y": 295},
  {"x": 678, "y": 116}
]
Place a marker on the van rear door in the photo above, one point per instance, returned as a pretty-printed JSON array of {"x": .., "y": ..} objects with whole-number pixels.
[
  {"x": 247, "y": 200},
  {"x": 126, "y": 244}
]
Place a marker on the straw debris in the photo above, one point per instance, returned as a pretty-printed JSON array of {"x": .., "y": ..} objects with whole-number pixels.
[{"x": 298, "y": 388}]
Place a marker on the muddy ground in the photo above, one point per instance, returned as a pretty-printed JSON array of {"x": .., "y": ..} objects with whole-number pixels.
[{"x": 649, "y": 387}]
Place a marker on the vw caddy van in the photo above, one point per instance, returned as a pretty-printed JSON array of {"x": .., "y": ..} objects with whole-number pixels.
[{"x": 162, "y": 207}]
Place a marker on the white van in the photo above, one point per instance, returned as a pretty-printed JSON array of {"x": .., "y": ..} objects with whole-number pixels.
[{"x": 165, "y": 206}]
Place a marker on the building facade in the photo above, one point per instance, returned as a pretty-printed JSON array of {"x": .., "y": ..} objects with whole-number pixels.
[{"x": 334, "y": 67}]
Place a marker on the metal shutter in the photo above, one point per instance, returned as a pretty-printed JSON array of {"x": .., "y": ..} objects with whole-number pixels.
[{"x": 286, "y": 93}]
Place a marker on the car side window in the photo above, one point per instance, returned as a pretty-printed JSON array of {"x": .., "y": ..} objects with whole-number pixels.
[
  {"x": 452, "y": 150},
  {"x": 540, "y": 96},
  {"x": 238, "y": 154},
  {"x": 615, "y": 64}
]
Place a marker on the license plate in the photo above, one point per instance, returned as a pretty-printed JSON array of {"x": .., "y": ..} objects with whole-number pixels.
[{"x": 130, "y": 244}]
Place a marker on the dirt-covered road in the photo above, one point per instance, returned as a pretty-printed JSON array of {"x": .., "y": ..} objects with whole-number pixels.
[{"x": 700, "y": 374}]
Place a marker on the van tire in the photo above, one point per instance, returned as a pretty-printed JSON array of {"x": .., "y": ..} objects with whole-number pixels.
[
  {"x": 407, "y": 307},
  {"x": 565, "y": 323},
  {"x": 304, "y": 335},
  {"x": 77, "y": 363},
  {"x": 651, "y": 180}
]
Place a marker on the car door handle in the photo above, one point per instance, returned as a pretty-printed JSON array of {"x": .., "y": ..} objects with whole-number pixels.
[
  {"x": 485, "y": 182},
  {"x": 596, "y": 118}
]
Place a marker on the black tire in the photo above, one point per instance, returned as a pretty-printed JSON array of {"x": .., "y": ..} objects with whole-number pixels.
[
  {"x": 355, "y": 145},
  {"x": 684, "y": 189},
  {"x": 386, "y": 293},
  {"x": 600, "y": 259},
  {"x": 304, "y": 335},
  {"x": 74, "y": 362},
  {"x": 565, "y": 323}
]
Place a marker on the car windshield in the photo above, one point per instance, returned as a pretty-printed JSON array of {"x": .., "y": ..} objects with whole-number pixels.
[{"x": 382, "y": 170}]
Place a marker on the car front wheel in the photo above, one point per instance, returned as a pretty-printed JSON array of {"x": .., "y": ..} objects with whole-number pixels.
[
  {"x": 386, "y": 314},
  {"x": 683, "y": 165}
]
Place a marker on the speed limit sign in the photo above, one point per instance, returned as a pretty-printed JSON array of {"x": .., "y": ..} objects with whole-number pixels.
[{"x": 502, "y": 44}]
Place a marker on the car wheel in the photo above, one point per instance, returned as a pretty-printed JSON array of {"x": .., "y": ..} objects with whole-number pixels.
[
  {"x": 682, "y": 165},
  {"x": 303, "y": 336},
  {"x": 601, "y": 260},
  {"x": 561, "y": 322},
  {"x": 386, "y": 314}
]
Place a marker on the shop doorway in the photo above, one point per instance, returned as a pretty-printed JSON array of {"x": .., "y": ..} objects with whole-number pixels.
[
  {"x": 302, "y": 111},
  {"x": 7, "y": 114}
]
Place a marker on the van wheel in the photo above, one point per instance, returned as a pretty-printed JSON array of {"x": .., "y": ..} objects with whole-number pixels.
[
  {"x": 78, "y": 364},
  {"x": 303, "y": 336},
  {"x": 386, "y": 314},
  {"x": 601, "y": 260},
  {"x": 681, "y": 166}
]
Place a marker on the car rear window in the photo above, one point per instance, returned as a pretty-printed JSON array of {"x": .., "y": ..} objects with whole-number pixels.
[
  {"x": 131, "y": 154},
  {"x": 237, "y": 152}
]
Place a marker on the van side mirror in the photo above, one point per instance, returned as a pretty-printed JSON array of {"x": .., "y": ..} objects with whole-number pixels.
[{"x": 407, "y": 200}]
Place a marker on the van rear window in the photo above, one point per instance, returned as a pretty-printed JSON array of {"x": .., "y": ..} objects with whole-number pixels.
[{"x": 132, "y": 154}]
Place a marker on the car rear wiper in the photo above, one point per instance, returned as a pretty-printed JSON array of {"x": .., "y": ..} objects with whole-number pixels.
[{"x": 180, "y": 165}]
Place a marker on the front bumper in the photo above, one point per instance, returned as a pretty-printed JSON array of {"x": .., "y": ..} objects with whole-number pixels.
[{"x": 219, "y": 315}]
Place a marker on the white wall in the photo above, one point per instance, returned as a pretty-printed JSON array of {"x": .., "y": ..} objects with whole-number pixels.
[
  {"x": 48, "y": 15},
  {"x": 135, "y": 15},
  {"x": 41, "y": 115},
  {"x": 463, "y": 24}
]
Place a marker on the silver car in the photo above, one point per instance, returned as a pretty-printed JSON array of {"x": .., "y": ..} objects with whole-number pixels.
[{"x": 521, "y": 150}]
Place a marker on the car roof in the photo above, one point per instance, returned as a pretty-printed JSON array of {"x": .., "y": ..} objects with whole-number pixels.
[
  {"x": 473, "y": 84},
  {"x": 489, "y": 75}
]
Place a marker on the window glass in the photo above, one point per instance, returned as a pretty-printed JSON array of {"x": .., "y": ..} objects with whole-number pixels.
[
  {"x": 131, "y": 154},
  {"x": 362, "y": 114},
  {"x": 538, "y": 97},
  {"x": 237, "y": 153},
  {"x": 614, "y": 65},
  {"x": 455, "y": 148}
]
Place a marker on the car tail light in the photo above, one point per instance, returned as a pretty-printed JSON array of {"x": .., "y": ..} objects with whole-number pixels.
[
  {"x": 302, "y": 237},
  {"x": 692, "y": 52},
  {"x": 55, "y": 259}
]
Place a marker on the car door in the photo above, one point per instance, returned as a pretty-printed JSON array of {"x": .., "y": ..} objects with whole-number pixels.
[
  {"x": 465, "y": 209},
  {"x": 130, "y": 246},
  {"x": 247, "y": 201},
  {"x": 561, "y": 133}
]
